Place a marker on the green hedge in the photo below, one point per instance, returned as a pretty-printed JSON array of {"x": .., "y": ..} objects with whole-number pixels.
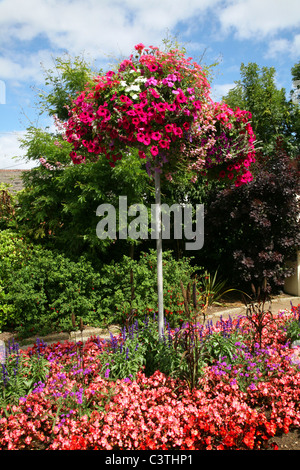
[
  {"x": 44, "y": 288},
  {"x": 41, "y": 289}
]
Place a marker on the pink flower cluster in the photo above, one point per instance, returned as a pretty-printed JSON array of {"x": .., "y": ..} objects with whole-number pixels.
[
  {"x": 48, "y": 165},
  {"x": 157, "y": 102},
  {"x": 78, "y": 408},
  {"x": 145, "y": 414},
  {"x": 224, "y": 143}
]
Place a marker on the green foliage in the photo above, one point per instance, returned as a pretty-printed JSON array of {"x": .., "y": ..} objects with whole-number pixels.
[
  {"x": 140, "y": 348},
  {"x": 6, "y": 310},
  {"x": 68, "y": 77},
  {"x": 272, "y": 114},
  {"x": 41, "y": 288},
  {"x": 182, "y": 354},
  {"x": 117, "y": 287},
  {"x": 20, "y": 375},
  {"x": 293, "y": 330},
  {"x": 59, "y": 207},
  {"x": 127, "y": 360}
]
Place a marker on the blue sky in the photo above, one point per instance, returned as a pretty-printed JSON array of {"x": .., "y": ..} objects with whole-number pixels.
[{"x": 36, "y": 31}]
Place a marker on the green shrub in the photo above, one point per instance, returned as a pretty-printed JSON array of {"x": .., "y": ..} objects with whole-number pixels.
[
  {"x": 7, "y": 207},
  {"x": 13, "y": 252},
  {"x": 20, "y": 375},
  {"x": 122, "y": 292},
  {"x": 6, "y": 311},
  {"x": 49, "y": 288},
  {"x": 252, "y": 231},
  {"x": 41, "y": 289}
]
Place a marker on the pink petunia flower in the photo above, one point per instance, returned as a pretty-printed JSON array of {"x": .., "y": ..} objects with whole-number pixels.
[
  {"x": 154, "y": 150},
  {"x": 139, "y": 47},
  {"x": 169, "y": 128},
  {"x": 156, "y": 136},
  {"x": 163, "y": 143}
]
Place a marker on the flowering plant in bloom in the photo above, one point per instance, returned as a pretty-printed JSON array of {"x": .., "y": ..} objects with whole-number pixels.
[
  {"x": 243, "y": 403},
  {"x": 159, "y": 103},
  {"x": 48, "y": 165},
  {"x": 224, "y": 143}
]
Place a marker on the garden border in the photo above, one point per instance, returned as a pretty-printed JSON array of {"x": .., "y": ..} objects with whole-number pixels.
[{"x": 281, "y": 303}]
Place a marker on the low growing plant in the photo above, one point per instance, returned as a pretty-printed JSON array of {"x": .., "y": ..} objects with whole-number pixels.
[{"x": 20, "y": 374}]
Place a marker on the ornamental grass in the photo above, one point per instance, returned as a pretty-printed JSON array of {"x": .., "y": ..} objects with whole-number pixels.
[{"x": 133, "y": 392}]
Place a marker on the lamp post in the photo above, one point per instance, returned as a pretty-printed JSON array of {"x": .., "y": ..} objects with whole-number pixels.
[{"x": 158, "y": 226}]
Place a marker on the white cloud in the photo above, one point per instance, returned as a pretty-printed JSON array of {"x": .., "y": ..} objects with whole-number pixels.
[
  {"x": 102, "y": 29},
  {"x": 110, "y": 28},
  {"x": 284, "y": 47},
  {"x": 2, "y": 92},
  {"x": 94, "y": 25},
  {"x": 260, "y": 18},
  {"x": 22, "y": 67},
  {"x": 218, "y": 91},
  {"x": 10, "y": 148}
]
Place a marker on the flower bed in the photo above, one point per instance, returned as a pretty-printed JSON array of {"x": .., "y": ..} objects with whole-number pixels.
[{"x": 242, "y": 400}]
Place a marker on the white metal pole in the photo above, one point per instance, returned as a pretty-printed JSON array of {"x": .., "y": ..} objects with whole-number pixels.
[{"x": 159, "y": 257}]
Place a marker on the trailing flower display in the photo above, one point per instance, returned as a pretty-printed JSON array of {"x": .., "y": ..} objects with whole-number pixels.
[{"x": 159, "y": 102}]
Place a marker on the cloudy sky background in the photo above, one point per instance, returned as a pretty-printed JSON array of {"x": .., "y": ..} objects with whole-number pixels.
[{"x": 36, "y": 31}]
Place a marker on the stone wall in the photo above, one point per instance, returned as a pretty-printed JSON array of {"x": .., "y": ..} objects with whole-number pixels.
[{"x": 12, "y": 177}]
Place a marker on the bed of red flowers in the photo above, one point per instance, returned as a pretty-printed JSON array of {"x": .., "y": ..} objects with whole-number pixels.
[{"x": 241, "y": 402}]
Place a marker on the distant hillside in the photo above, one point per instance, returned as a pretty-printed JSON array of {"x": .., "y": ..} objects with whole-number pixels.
[{"x": 12, "y": 177}]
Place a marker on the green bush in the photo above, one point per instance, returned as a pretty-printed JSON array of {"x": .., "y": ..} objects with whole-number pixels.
[
  {"x": 253, "y": 230},
  {"x": 41, "y": 289},
  {"x": 13, "y": 253},
  {"x": 122, "y": 292},
  {"x": 49, "y": 288},
  {"x": 7, "y": 206}
]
